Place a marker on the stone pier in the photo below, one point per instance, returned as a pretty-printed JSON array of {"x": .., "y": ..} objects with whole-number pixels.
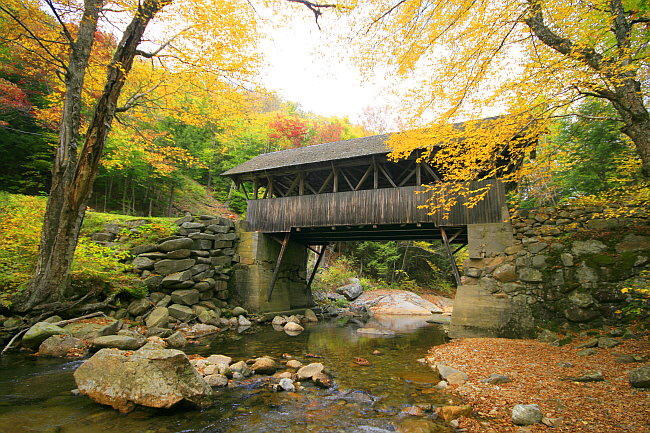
[{"x": 251, "y": 277}]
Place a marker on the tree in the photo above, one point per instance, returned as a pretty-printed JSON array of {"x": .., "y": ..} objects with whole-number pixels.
[
  {"x": 532, "y": 60},
  {"x": 75, "y": 167}
]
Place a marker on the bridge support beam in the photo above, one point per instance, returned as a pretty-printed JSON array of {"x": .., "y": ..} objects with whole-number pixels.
[{"x": 253, "y": 276}]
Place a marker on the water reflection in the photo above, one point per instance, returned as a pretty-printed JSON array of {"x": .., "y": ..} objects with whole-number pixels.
[{"x": 35, "y": 393}]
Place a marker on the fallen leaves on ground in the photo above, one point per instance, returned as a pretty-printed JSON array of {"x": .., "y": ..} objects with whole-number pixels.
[{"x": 536, "y": 370}]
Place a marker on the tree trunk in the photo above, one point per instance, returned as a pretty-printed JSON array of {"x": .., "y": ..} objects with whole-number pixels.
[
  {"x": 62, "y": 222},
  {"x": 171, "y": 202},
  {"x": 73, "y": 179}
]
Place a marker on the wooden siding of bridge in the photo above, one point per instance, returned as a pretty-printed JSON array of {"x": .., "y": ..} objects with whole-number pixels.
[{"x": 376, "y": 206}]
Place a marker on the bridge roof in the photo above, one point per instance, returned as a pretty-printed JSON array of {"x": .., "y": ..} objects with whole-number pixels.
[{"x": 317, "y": 153}]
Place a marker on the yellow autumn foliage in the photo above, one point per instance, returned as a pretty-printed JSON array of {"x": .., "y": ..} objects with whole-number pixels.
[{"x": 469, "y": 60}]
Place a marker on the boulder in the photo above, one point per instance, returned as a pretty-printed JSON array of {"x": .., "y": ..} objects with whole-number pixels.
[
  {"x": 239, "y": 311},
  {"x": 242, "y": 368},
  {"x": 40, "y": 332},
  {"x": 397, "y": 302},
  {"x": 173, "y": 280},
  {"x": 210, "y": 317},
  {"x": 496, "y": 379},
  {"x": 308, "y": 371},
  {"x": 351, "y": 291},
  {"x": 158, "y": 318},
  {"x": 151, "y": 376},
  {"x": 293, "y": 327},
  {"x": 633, "y": 242},
  {"x": 293, "y": 363},
  {"x": 279, "y": 320},
  {"x": 185, "y": 297},
  {"x": 242, "y": 321},
  {"x": 181, "y": 312},
  {"x": 170, "y": 266},
  {"x": 219, "y": 359},
  {"x": 60, "y": 345},
  {"x": 526, "y": 414},
  {"x": 594, "y": 376},
  {"x": 179, "y": 254},
  {"x": 591, "y": 246},
  {"x": 264, "y": 366},
  {"x": 505, "y": 273},
  {"x": 216, "y": 380},
  {"x": 176, "y": 340},
  {"x": 93, "y": 328},
  {"x": 287, "y": 385},
  {"x": 578, "y": 315},
  {"x": 450, "y": 374},
  {"x": 587, "y": 352},
  {"x": 139, "y": 307},
  {"x": 640, "y": 377},
  {"x": 310, "y": 316},
  {"x": 607, "y": 342},
  {"x": 175, "y": 244},
  {"x": 123, "y": 342},
  {"x": 143, "y": 263}
]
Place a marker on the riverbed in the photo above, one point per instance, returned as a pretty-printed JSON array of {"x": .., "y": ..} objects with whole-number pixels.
[{"x": 35, "y": 393}]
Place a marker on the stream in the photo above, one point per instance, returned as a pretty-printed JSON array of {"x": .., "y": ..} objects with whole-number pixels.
[{"x": 35, "y": 392}]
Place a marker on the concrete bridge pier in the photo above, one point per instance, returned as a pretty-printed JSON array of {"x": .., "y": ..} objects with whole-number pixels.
[{"x": 251, "y": 277}]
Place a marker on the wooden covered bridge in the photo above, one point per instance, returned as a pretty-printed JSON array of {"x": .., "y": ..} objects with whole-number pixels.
[{"x": 350, "y": 191}]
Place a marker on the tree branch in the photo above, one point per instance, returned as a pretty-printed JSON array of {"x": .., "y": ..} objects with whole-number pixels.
[
  {"x": 535, "y": 21},
  {"x": 316, "y": 8},
  {"x": 58, "y": 18}
]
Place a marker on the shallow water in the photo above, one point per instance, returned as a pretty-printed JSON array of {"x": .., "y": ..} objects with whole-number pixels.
[{"x": 35, "y": 393}]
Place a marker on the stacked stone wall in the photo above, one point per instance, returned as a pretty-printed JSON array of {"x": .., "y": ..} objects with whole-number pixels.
[
  {"x": 193, "y": 265},
  {"x": 566, "y": 265}
]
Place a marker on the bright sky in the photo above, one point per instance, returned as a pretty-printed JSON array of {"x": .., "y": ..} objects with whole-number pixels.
[{"x": 319, "y": 80}]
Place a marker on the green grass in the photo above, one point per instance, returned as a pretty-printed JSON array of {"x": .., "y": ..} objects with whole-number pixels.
[{"x": 95, "y": 267}]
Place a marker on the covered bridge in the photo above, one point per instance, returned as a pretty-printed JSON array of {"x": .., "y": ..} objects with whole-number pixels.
[{"x": 350, "y": 191}]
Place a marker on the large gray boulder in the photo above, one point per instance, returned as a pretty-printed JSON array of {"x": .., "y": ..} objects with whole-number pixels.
[
  {"x": 185, "y": 297},
  {"x": 591, "y": 246},
  {"x": 60, "y": 345},
  {"x": 640, "y": 378},
  {"x": 40, "y": 332},
  {"x": 526, "y": 414},
  {"x": 351, "y": 291},
  {"x": 175, "y": 244},
  {"x": 181, "y": 312},
  {"x": 124, "y": 342},
  {"x": 138, "y": 307},
  {"x": 170, "y": 266},
  {"x": 93, "y": 328},
  {"x": 308, "y": 371},
  {"x": 151, "y": 376},
  {"x": 264, "y": 366},
  {"x": 158, "y": 318}
]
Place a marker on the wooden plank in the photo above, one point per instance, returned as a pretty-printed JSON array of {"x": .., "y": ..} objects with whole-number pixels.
[
  {"x": 452, "y": 261},
  {"x": 279, "y": 262},
  {"x": 318, "y": 260},
  {"x": 346, "y": 179},
  {"x": 326, "y": 182},
  {"x": 364, "y": 177},
  {"x": 387, "y": 175},
  {"x": 367, "y": 207}
]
